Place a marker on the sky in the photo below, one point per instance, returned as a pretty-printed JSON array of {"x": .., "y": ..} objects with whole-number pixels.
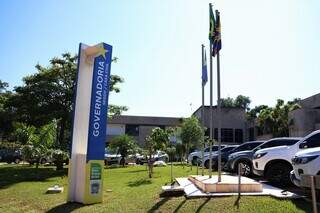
[{"x": 270, "y": 49}]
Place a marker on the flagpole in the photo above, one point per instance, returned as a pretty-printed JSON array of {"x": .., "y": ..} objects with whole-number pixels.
[
  {"x": 202, "y": 115},
  {"x": 211, "y": 108},
  {"x": 219, "y": 117}
]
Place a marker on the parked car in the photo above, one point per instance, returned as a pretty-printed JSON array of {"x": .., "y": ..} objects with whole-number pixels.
[
  {"x": 243, "y": 147},
  {"x": 305, "y": 162},
  {"x": 43, "y": 160},
  {"x": 246, "y": 157},
  {"x": 193, "y": 157},
  {"x": 111, "y": 158},
  {"x": 159, "y": 155},
  {"x": 224, "y": 155},
  {"x": 10, "y": 155},
  {"x": 274, "y": 164}
]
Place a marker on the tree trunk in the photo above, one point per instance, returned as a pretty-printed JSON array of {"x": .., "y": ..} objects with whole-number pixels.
[
  {"x": 122, "y": 161},
  {"x": 37, "y": 163},
  {"x": 186, "y": 154},
  {"x": 61, "y": 131},
  {"x": 150, "y": 164},
  {"x": 59, "y": 165}
]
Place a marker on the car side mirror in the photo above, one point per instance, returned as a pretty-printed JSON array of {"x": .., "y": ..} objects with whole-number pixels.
[{"x": 303, "y": 145}]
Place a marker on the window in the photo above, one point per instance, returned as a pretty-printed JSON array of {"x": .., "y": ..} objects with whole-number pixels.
[
  {"x": 132, "y": 130},
  {"x": 214, "y": 148},
  {"x": 247, "y": 146},
  {"x": 227, "y": 135},
  {"x": 313, "y": 141},
  {"x": 251, "y": 134},
  {"x": 254, "y": 145},
  {"x": 227, "y": 149},
  {"x": 282, "y": 142},
  {"x": 207, "y": 132},
  {"x": 241, "y": 148},
  {"x": 215, "y": 135},
  {"x": 238, "y": 136}
]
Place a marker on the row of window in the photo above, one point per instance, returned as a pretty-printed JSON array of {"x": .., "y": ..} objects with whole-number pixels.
[
  {"x": 133, "y": 129},
  {"x": 227, "y": 135}
]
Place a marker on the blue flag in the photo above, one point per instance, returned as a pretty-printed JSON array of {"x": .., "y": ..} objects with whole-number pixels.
[{"x": 204, "y": 68}]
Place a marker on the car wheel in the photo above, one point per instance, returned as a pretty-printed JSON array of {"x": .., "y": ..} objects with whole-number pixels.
[
  {"x": 246, "y": 169},
  {"x": 278, "y": 173},
  {"x": 17, "y": 161},
  {"x": 43, "y": 161},
  {"x": 194, "y": 161}
]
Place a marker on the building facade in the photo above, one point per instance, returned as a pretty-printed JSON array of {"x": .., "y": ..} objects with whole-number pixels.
[
  {"x": 306, "y": 119},
  {"x": 234, "y": 126},
  {"x": 139, "y": 127}
]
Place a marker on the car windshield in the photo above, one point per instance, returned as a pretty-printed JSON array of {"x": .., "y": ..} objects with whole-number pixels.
[
  {"x": 227, "y": 149},
  {"x": 108, "y": 151},
  {"x": 247, "y": 146},
  {"x": 277, "y": 142},
  {"x": 214, "y": 148}
]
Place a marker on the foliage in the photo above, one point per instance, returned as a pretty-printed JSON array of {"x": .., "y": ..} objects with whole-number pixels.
[
  {"x": 7, "y": 115},
  {"x": 171, "y": 151},
  {"x": 39, "y": 142},
  {"x": 3, "y": 86},
  {"x": 241, "y": 101},
  {"x": 254, "y": 112},
  {"x": 47, "y": 95},
  {"x": 123, "y": 145},
  {"x": 180, "y": 150},
  {"x": 274, "y": 120},
  {"x": 10, "y": 145},
  {"x": 58, "y": 157},
  {"x": 191, "y": 133},
  {"x": 157, "y": 140},
  {"x": 23, "y": 132}
]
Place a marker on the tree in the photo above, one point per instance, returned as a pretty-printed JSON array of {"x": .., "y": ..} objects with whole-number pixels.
[
  {"x": 180, "y": 150},
  {"x": 157, "y": 140},
  {"x": 254, "y": 112},
  {"x": 241, "y": 101},
  {"x": 23, "y": 132},
  {"x": 3, "y": 86},
  {"x": 191, "y": 133},
  {"x": 123, "y": 145},
  {"x": 48, "y": 94},
  {"x": 39, "y": 142},
  {"x": 7, "y": 115},
  {"x": 275, "y": 120},
  {"x": 227, "y": 102}
]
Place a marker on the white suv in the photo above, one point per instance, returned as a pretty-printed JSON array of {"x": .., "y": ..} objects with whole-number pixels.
[
  {"x": 305, "y": 162},
  {"x": 275, "y": 163}
]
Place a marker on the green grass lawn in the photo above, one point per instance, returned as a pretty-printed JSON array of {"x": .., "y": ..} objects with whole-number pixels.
[{"x": 22, "y": 189}]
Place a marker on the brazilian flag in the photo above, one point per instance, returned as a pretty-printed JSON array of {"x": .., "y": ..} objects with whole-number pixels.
[
  {"x": 216, "y": 46},
  {"x": 212, "y": 25}
]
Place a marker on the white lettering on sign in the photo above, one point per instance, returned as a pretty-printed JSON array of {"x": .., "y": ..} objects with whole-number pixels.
[{"x": 98, "y": 100}]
